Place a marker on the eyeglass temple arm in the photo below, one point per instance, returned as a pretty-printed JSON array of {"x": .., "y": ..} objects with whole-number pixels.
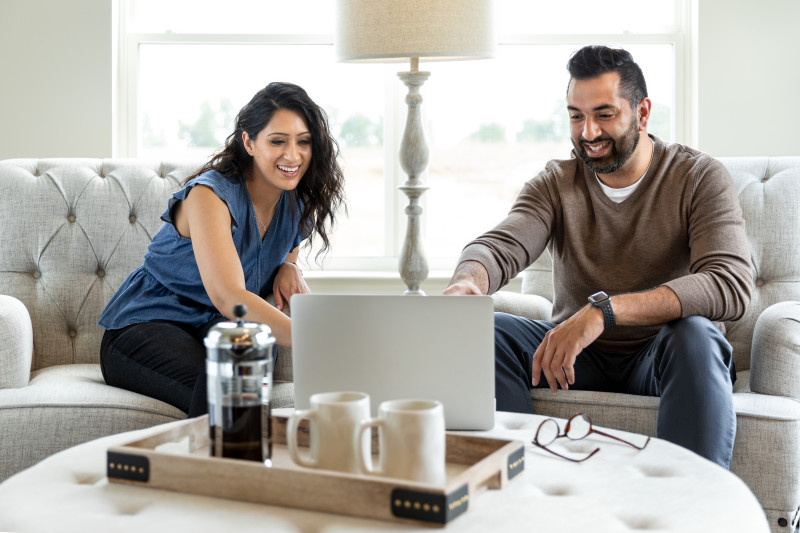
[{"x": 642, "y": 447}]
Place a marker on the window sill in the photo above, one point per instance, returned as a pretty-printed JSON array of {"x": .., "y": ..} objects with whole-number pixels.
[{"x": 379, "y": 282}]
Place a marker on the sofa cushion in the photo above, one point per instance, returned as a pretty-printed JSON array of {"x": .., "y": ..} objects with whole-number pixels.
[
  {"x": 67, "y": 405},
  {"x": 70, "y": 404}
]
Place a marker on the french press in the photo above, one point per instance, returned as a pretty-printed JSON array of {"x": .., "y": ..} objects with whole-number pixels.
[{"x": 239, "y": 373}]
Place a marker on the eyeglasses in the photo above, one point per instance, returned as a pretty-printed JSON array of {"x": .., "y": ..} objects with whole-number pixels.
[{"x": 578, "y": 427}]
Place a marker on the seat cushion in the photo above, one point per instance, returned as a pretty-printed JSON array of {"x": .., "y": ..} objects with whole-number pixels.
[{"x": 69, "y": 404}]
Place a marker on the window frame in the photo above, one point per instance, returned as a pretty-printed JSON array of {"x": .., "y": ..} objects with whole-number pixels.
[{"x": 127, "y": 144}]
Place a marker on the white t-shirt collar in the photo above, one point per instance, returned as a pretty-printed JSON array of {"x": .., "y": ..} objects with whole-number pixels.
[{"x": 620, "y": 195}]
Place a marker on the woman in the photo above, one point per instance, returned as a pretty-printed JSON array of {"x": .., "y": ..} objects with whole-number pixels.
[{"x": 231, "y": 235}]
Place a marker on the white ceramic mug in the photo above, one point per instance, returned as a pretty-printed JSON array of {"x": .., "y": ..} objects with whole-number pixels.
[
  {"x": 412, "y": 441},
  {"x": 333, "y": 422}
]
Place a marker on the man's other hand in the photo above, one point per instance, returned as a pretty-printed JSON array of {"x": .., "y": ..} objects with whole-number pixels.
[{"x": 557, "y": 353}]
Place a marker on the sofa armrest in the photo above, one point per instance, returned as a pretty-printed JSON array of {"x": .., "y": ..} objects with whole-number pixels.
[
  {"x": 530, "y": 306},
  {"x": 775, "y": 356},
  {"x": 16, "y": 343}
]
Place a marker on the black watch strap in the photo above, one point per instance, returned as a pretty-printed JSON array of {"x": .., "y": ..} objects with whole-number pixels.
[{"x": 603, "y": 301}]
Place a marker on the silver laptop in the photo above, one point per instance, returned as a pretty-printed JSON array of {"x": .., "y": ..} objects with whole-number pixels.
[{"x": 393, "y": 347}]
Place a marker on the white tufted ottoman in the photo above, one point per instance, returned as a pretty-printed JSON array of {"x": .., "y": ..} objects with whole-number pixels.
[{"x": 663, "y": 488}]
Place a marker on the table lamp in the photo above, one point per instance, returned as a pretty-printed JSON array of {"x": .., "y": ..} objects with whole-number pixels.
[{"x": 402, "y": 30}]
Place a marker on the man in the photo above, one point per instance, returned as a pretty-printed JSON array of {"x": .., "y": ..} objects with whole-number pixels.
[{"x": 648, "y": 246}]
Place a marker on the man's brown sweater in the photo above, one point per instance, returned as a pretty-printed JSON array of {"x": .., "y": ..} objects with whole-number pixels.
[{"x": 681, "y": 227}]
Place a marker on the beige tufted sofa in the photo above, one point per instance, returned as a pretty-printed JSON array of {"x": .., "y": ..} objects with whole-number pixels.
[
  {"x": 766, "y": 344},
  {"x": 71, "y": 230}
]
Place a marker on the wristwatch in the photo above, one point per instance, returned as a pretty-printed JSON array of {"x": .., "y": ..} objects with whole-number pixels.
[{"x": 603, "y": 301}]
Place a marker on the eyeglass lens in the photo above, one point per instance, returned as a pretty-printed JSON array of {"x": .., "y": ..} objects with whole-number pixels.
[
  {"x": 578, "y": 427},
  {"x": 547, "y": 432}
]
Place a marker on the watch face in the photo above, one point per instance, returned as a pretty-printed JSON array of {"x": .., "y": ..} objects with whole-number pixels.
[{"x": 598, "y": 297}]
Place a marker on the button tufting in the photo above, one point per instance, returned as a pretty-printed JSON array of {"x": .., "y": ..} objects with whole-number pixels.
[
  {"x": 132, "y": 219},
  {"x": 101, "y": 273},
  {"x": 37, "y": 274},
  {"x": 759, "y": 282},
  {"x": 560, "y": 490},
  {"x": 71, "y": 218},
  {"x": 640, "y": 522},
  {"x": 85, "y": 478},
  {"x": 657, "y": 471},
  {"x": 73, "y": 333}
]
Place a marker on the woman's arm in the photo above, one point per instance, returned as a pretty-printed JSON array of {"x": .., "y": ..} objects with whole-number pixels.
[
  {"x": 204, "y": 218},
  {"x": 289, "y": 280}
]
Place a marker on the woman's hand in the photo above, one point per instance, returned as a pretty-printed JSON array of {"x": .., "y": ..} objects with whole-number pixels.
[{"x": 288, "y": 282}]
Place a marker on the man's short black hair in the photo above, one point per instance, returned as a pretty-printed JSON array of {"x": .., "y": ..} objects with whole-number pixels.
[{"x": 594, "y": 60}]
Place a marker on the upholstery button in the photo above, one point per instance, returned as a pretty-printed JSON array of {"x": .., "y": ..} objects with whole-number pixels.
[
  {"x": 101, "y": 273},
  {"x": 71, "y": 218},
  {"x": 759, "y": 282},
  {"x": 783, "y": 522},
  {"x": 37, "y": 274},
  {"x": 73, "y": 333},
  {"x": 132, "y": 218}
]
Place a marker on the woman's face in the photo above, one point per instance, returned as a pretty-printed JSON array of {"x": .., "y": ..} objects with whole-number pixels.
[{"x": 281, "y": 151}]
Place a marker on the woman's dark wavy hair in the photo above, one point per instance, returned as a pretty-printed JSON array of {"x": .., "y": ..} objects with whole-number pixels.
[
  {"x": 321, "y": 190},
  {"x": 595, "y": 60}
]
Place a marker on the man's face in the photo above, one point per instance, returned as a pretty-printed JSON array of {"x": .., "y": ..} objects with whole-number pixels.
[{"x": 604, "y": 128}]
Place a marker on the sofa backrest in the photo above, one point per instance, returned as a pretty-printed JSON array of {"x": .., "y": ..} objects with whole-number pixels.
[
  {"x": 71, "y": 231},
  {"x": 769, "y": 194}
]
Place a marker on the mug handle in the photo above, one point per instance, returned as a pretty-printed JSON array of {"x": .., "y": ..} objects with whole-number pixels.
[
  {"x": 291, "y": 437},
  {"x": 362, "y": 427}
]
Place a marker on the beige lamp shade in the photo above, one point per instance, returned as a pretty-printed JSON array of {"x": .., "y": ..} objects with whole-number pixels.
[{"x": 431, "y": 30}]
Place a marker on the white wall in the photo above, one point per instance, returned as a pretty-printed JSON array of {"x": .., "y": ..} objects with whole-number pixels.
[
  {"x": 749, "y": 77},
  {"x": 56, "y": 78}
]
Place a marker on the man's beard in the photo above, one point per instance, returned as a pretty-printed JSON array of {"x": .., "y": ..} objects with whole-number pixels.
[{"x": 621, "y": 151}]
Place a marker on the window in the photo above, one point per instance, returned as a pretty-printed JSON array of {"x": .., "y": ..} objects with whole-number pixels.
[{"x": 188, "y": 66}]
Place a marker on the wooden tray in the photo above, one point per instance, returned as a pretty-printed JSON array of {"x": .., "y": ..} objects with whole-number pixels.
[{"x": 473, "y": 464}]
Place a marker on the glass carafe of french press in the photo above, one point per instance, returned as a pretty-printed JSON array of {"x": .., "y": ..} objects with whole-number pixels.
[{"x": 239, "y": 368}]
